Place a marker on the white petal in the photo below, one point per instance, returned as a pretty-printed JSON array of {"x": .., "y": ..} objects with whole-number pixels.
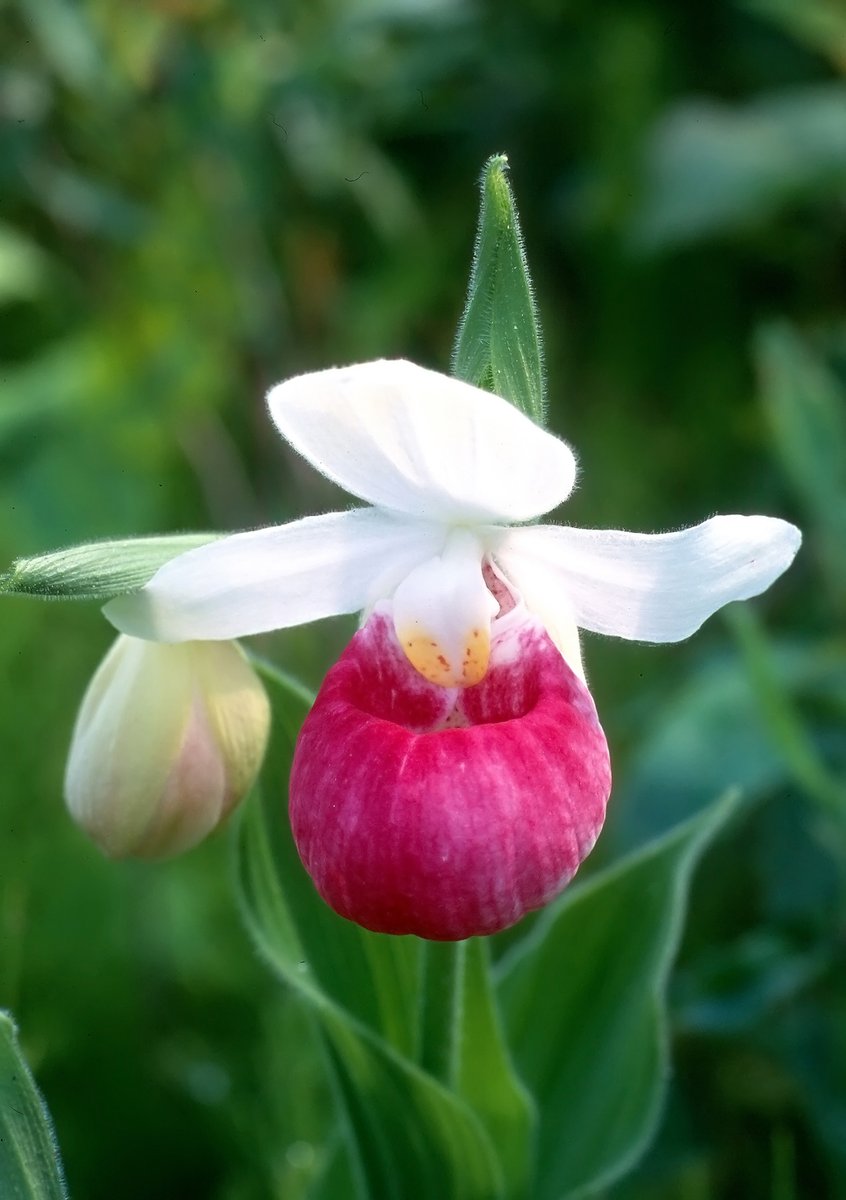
[
  {"x": 277, "y": 577},
  {"x": 545, "y": 596},
  {"x": 654, "y": 587},
  {"x": 442, "y": 614},
  {"x": 422, "y": 443}
]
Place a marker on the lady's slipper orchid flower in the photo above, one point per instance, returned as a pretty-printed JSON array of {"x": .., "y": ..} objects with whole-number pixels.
[{"x": 452, "y": 774}]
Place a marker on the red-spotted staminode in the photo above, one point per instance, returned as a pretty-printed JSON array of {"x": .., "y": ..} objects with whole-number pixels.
[{"x": 452, "y": 774}]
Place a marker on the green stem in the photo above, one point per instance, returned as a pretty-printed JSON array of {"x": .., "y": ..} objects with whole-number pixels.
[{"x": 440, "y": 1008}]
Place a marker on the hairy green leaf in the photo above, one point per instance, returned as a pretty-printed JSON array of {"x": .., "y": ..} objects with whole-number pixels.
[
  {"x": 97, "y": 570},
  {"x": 498, "y": 345},
  {"x": 30, "y": 1168}
]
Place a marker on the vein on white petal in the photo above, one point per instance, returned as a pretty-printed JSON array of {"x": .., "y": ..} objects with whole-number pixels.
[
  {"x": 422, "y": 443},
  {"x": 655, "y": 587},
  {"x": 277, "y": 577}
]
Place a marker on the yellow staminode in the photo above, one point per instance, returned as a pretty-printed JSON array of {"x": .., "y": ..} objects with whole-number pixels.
[
  {"x": 443, "y": 611},
  {"x": 462, "y": 666}
]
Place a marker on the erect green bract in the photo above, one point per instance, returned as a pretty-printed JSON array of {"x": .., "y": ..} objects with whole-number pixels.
[{"x": 498, "y": 345}]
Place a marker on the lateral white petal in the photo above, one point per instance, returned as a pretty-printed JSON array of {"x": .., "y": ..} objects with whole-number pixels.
[
  {"x": 277, "y": 577},
  {"x": 655, "y": 587},
  {"x": 419, "y": 442}
]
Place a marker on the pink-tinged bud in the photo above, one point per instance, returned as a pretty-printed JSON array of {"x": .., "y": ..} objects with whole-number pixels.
[
  {"x": 169, "y": 738},
  {"x": 448, "y": 812}
]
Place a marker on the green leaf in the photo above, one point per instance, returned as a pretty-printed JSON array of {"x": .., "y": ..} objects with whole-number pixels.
[
  {"x": 585, "y": 1007},
  {"x": 485, "y": 1075},
  {"x": 789, "y": 736},
  {"x": 373, "y": 975},
  {"x": 673, "y": 773},
  {"x": 30, "y": 1168},
  {"x": 712, "y": 167},
  {"x": 98, "y": 570},
  {"x": 806, "y": 408},
  {"x": 463, "y": 1044},
  {"x": 820, "y": 24},
  {"x": 411, "y": 1134},
  {"x": 22, "y": 266},
  {"x": 441, "y": 1008},
  {"x": 37, "y": 394},
  {"x": 498, "y": 345}
]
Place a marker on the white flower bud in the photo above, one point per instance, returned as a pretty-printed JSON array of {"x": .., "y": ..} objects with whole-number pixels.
[{"x": 169, "y": 738}]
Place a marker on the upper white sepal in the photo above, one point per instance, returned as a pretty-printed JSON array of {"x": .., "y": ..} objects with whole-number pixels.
[{"x": 424, "y": 444}]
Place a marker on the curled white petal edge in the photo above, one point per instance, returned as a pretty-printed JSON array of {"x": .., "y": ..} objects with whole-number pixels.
[{"x": 654, "y": 587}]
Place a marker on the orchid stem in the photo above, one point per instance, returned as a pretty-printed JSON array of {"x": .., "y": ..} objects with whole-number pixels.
[{"x": 440, "y": 1012}]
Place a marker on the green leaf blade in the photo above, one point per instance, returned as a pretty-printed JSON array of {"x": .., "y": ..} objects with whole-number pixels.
[
  {"x": 97, "y": 570},
  {"x": 788, "y": 733},
  {"x": 584, "y": 1003},
  {"x": 712, "y": 167},
  {"x": 805, "y": 405},
  {"x": 486, "y": 1076},
  {"x": 30, "y": 1167},
  {"x": 498, "y": 345}
]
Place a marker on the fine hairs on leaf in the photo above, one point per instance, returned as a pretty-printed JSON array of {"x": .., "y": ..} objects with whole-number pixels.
[
  {"x": 30, "y": 1166},
  {"x": 97, "y": 570},
  {"x": 498, "y": 344}
]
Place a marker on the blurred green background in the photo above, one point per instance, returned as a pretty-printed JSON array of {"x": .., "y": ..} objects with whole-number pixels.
[{"x": 200, "y": 198}]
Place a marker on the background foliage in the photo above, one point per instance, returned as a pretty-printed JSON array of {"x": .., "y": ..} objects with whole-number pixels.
[{"x": 200, "y": 198}]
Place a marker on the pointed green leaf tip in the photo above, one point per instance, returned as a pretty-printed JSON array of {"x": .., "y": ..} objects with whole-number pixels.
[
  {"x": 98, "y": 570},
  {"x": 498, "y": 345}
]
